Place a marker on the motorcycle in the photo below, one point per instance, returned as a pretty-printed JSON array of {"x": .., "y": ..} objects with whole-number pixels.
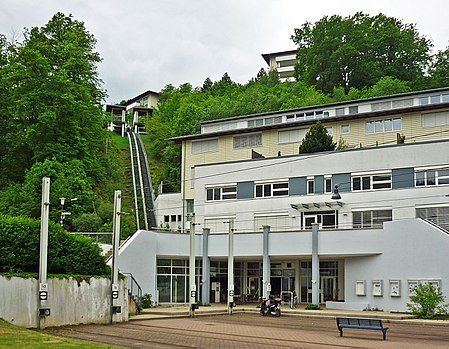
[{"x": 274, "y": 308}]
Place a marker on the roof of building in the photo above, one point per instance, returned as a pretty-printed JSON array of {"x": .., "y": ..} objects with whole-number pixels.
[
  {"x": 266, "y": 56},
  {"x": 180, "y": 139},
  {"x": 134, "y": 99}
]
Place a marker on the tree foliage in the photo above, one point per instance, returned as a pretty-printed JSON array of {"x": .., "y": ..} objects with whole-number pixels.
[
  {"x": 316, "y": 139},
  {"x": 52, "y": 120},
  {"x": 67, "y": 253},
  {"x": 54, "y": 99},
  {"x": 356, "y": 51},
  {"x": 427, "y": 302},
  {"x": 181, "y": 110}
]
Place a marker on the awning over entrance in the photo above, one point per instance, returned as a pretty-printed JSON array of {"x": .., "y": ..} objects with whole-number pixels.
[{"x": 317, "y": 205}]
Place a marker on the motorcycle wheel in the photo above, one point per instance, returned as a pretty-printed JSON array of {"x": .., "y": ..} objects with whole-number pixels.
[{"x": 278, "y": 312}]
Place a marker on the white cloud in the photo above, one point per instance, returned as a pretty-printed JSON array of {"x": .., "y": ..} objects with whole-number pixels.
[{"x": 147, "y": 44}]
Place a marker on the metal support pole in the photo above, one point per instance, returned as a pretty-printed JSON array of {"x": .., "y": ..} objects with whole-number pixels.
[
  {"x": 266, "y": 287},
  {"x": 231, "y": 266},
  {"x": 115, "y": 248},
  {"x": 123, "y": 122},
  {"x": 43, "y": 251},
  {"x": 192, "y": 283},
  {"x": 315, "y": 265},
  {"x": 206, "y": 268}
]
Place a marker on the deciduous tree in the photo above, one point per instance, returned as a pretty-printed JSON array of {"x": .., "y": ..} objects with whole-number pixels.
[{"x": 358, "y": 50}]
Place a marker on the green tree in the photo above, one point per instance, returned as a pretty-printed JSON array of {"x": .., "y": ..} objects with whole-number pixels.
[
  {"x": 427, "y": 302},
  {"x": 55, "y": 96},
  {"x": 207, "y": 85},
  {"x": 358, "y": 50},
  {"x": 387, "y": 85},
  {"x": 439, "y": 69},
  {"x": 316, "y": 139}
]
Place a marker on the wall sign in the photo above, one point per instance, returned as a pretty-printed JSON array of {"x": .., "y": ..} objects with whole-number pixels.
[
  {"x": 395, "y": 288},
  {"x": 360, "y": 288}
]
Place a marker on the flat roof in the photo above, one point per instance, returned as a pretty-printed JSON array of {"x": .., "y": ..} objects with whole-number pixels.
[
  {"x": 180, "y": 139},
  {"x": 266, "y": 56},
  {"x": 134, "y": 99}
]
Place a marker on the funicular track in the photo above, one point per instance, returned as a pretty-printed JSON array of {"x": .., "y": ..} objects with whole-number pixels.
[{"x": 142, "y": 187}]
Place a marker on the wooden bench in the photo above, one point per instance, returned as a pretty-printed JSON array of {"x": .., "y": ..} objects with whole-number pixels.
[{"x": 362, "y": 324}]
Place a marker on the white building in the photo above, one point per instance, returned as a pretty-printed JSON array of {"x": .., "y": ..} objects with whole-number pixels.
[
  {"x": 283, "y": 62},
  {"x": 387, "y": 233}
]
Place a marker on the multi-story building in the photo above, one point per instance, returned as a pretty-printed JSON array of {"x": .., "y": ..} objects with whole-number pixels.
[
  {"x": 139, "y": 107},
  {"x": 355, "y": 228},
  {"x": 283, "y": 62}
]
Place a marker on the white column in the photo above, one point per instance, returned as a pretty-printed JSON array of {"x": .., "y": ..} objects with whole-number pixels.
[
  {"x": 43, "y": 252},
  {"x": 315, "y": 265},
  {"x": 115, "y": 247},
  {"x": 206, "y": 268},
  {"x": 230, "y": 266},
  {"x": 192, "y": 296},
  {"x": 266, "y": 287}
]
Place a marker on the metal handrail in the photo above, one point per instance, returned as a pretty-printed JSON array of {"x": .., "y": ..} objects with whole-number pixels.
[{"x": 131, "y": 282}]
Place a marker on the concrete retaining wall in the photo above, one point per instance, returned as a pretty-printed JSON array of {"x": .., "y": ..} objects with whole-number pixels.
[{"x": 70, "y": 301}]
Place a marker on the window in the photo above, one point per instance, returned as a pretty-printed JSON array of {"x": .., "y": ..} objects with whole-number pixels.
[
  {"x": 339, "y": 111},
  {"x": 266, "y": 121},
  {"x": 271, "y": 189},
  {"x": 325, "y": 219},
  {"x": 310, "y": 186},
  {"x": 435, "y": 99},
  {"x": 248, "y": 141},
  {"x": 190, "y": 203},
  {"x": 424, "y": 178},
  {"x": 209, "y": 146},
  {"x": 423, "y": 101},
  {"x": 371, "y": 182},
  {"x": 192, "y": 177},
  {"x": 221, "y": 193},
  {"x": 344, "y": 129},
  {"x": 291, "y": 136},
  {"x": 435, "y": 119},
  {"x": 166, "y": 218},
  {"x": 330, "y": 130},
  {"x": 328, "y": 185},
  {"x": 353, "y": 109},
  {"x": 437, "y": 215},
  {"x": 370, "y": 219},
  {"x": 218, "y": 224},
  {"x": 280, "y": 221},
  {"x": 381, "y": 106},
  {"x": 387, "y": 125}
]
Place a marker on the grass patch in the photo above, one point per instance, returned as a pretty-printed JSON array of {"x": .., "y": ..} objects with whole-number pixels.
[{"x": 12, "y": 336}]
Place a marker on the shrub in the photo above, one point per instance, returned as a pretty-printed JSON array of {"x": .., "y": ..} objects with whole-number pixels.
[
  {"x": 145, "y": 301},
  {"x": 427, "y": 302},
  {"x": 312, "y": 307},
  {"x": 67, "y": 254}
]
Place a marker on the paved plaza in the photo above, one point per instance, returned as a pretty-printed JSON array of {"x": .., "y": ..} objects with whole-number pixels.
[{"x": 170, "y": 328}]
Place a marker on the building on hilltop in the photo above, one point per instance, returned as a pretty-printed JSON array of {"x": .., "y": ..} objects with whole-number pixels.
[
  {"x": 139, "y": 107},
  {"x": 283, "y": 62},
  {"x": 356, "y": 228}
]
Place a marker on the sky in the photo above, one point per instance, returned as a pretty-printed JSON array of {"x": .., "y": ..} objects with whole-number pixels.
[{"x": 148, "y": 44}]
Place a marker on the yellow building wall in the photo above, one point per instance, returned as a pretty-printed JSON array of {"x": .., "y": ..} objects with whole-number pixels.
[{"x": 411, "y": 128}]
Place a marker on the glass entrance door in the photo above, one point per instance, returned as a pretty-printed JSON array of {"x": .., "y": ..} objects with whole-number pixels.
[{"x": 328, "y": 285}]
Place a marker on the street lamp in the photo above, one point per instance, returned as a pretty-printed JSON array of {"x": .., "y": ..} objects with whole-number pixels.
[
  {"x": 336, "y": 194},
  {"x": 63, "y": 214}
]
